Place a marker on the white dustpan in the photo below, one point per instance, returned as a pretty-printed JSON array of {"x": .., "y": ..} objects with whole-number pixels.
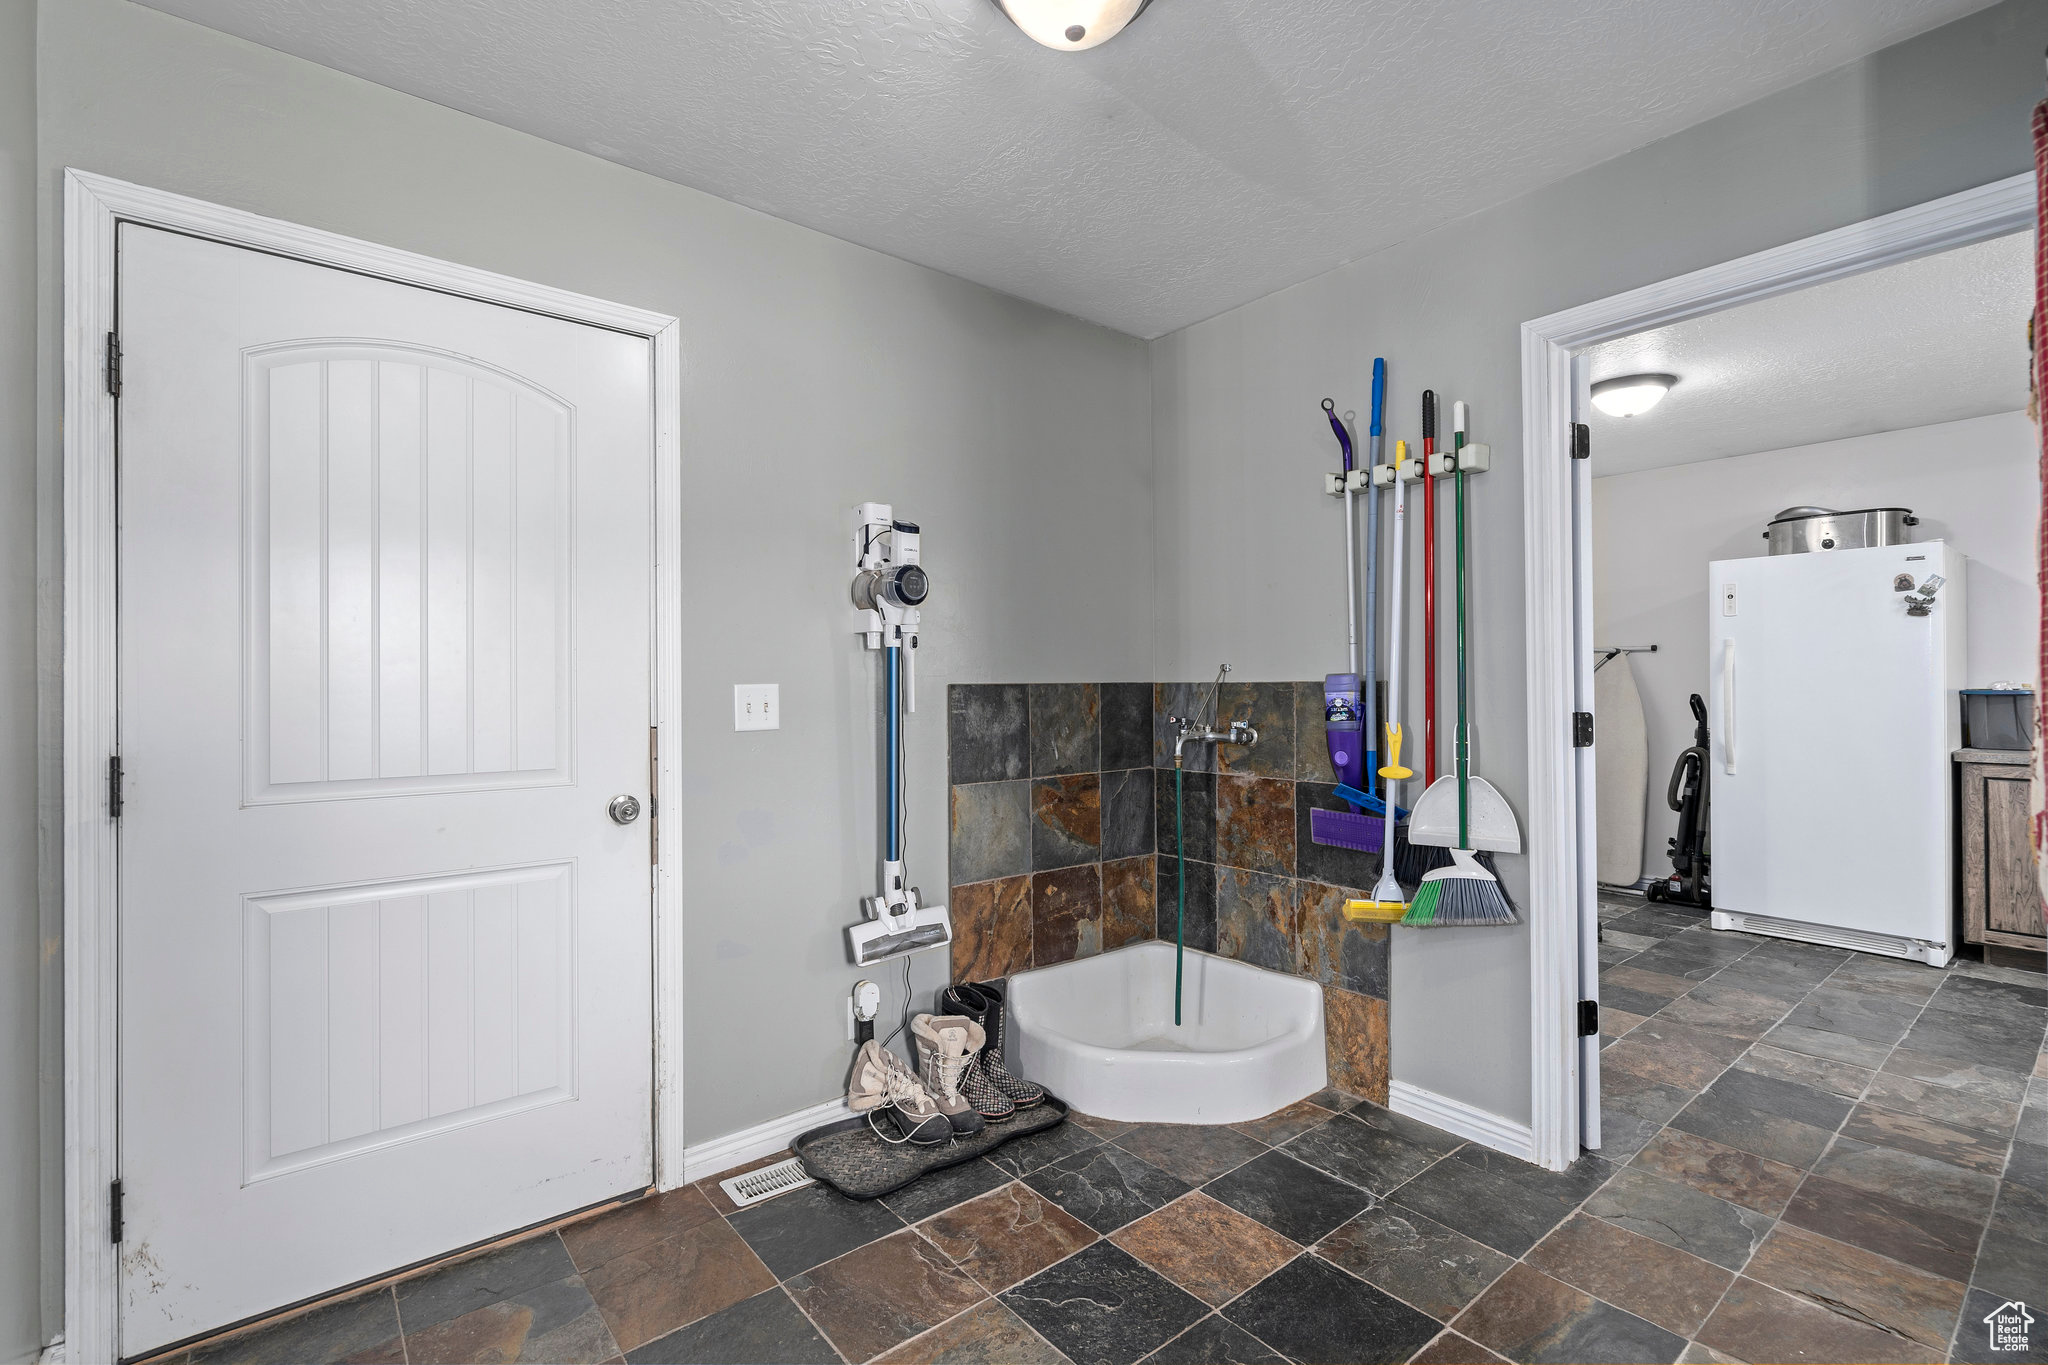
[{"x": 1434, "y": 821}]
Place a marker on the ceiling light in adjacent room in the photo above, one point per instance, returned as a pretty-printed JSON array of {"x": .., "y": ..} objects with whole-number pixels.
[
  {"x": 1631, "y": 395},
  {"x": 1072, "y": 25}
]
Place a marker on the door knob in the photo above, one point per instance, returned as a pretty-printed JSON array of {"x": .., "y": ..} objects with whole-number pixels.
[{"x": 624, "y": 810}]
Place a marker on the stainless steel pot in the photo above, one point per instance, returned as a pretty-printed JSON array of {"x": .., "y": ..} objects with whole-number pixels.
[{"x": 1797, "y": 530}]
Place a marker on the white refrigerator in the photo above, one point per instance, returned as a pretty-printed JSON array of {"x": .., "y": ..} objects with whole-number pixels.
[{"x": 1833, "y": 712}]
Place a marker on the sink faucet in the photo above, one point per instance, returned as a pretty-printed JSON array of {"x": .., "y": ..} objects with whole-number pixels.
[{"x": 1187, "y": 729}]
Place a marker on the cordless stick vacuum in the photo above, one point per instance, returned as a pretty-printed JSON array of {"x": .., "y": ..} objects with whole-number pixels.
[{"x": 889, "y": 585}]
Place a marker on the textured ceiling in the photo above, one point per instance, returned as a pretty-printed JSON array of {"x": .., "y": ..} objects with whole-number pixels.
[
  {"x": 1933, "y": 340},
  {"x": 1216, "y": 151}
]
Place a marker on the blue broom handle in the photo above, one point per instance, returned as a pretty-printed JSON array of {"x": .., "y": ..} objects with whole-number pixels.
[{"x": 1369, "y": 732}]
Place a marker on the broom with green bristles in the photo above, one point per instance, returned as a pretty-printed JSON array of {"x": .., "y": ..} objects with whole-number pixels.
[{"x": 1464, "y": 892}]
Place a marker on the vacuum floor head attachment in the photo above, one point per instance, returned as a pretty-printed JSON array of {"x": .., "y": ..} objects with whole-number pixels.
[{"x": 916, "y": 929}]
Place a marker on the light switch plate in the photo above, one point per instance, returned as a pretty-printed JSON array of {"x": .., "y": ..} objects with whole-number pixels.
[{"x": 757, "y": 706}]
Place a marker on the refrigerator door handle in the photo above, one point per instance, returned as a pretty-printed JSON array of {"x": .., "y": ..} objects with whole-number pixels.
[{"x": 1728, "y": 706}]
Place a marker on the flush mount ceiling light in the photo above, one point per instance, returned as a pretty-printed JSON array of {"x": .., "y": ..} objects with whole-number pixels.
[
  {"x": 1631, "y": 395},
  {"x": 1072, "y": 25}
]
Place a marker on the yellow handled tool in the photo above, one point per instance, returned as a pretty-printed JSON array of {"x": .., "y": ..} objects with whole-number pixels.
[
  {"x": 1388, "y": 902},
  {"x": 1394, "y": 769}
]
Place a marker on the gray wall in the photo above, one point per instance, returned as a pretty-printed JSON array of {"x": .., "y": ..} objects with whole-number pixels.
[
  {"x": 20, "y": 961},
  {"x": 1249, "y": 550},
  {"x": 816, "y": 375},
  {"x": 1974, "y": 484}
]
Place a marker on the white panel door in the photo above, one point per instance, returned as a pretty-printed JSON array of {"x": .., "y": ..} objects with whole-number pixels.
[{"x": 384, "y": 640}]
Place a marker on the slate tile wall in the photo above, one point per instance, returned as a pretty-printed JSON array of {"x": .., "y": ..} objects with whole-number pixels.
[
  {"x": 1052, "y": 822},
  {"x": 1063, "y": 842}
]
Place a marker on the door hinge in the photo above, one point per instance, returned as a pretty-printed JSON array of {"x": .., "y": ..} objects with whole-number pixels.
[
  {"x": 1582, "y": 441},
  {"x": 114, "y": 792},
  {"x": 113, "y": 364},
  {"x": 1589, "y": 1018},
  {"x": 114, "y": 1212},
  {"x": 1582, "y": 729}
]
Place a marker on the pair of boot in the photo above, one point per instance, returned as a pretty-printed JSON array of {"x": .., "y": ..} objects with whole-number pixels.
[
  {"x": 987, "y": 1084},
  {"x": 924, "y": 1107},
  {"x": 960, "y": 1086},
  {"x": 899, "y": 1107}
]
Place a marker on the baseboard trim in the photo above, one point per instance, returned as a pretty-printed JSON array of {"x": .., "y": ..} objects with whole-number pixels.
[
  {"x": 1465, "y": 1120},
  {"x": 763, "y": 1139}
]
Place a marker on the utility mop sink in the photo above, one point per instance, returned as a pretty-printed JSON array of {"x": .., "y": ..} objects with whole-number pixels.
[{"x": 1099, "y": 1033}]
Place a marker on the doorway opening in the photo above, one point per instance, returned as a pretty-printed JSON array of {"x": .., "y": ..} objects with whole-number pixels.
[{"x": 1561, "y": 356}]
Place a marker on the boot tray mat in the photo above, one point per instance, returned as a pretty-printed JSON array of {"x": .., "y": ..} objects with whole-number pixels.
[{"x": 848, "y": 1156}]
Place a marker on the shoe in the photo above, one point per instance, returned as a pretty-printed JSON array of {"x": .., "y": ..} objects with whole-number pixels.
[
  {"x": 981, "y": 1092},
  {"x": 883, "y": 1087},
  {"x": 1022, "y": 1092},
  {"x": 946, "y": 1044}
]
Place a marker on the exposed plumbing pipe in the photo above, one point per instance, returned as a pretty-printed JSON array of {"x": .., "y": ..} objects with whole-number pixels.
[{"x": 1240, "y": 732}]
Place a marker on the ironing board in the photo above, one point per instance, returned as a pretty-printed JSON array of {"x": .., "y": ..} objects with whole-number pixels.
[{"x": 1621, "y": 771}]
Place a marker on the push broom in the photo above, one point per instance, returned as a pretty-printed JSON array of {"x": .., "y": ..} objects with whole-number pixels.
[
  {"x": 1464, "y": 892},
  {"x": 1387, "y": 904}
]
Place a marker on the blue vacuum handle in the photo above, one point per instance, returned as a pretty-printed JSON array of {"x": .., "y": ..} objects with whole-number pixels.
[
  {"x": 894, "y": 714},
  {"x": 1379, "y": 393}
]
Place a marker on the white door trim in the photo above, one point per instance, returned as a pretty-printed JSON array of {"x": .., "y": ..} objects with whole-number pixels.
[
  {"x": 93, "y": 206},
  {"x": 1551, "y": 549}
]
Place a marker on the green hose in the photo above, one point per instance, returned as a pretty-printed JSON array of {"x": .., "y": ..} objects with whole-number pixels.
[{"x": 1180, "y": 914}]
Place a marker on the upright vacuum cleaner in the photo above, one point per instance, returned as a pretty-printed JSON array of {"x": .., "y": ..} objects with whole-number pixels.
[{"x": 1690, "y": 882}]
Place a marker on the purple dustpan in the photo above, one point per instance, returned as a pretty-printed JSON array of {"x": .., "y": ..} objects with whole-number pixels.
[{"x": 1347, "y": 829}]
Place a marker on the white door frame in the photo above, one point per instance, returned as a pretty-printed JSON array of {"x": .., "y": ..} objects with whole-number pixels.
[
  {"x": 1551, "y": 549},
  {"x": 93, "y": 206}
]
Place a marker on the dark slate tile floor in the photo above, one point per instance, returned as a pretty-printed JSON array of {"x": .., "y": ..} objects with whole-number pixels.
[
  {"x": 1809, "y": 1155},
  {"x": 1842, "y": 1138}
]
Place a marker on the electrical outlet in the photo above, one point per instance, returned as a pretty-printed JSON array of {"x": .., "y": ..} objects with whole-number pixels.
[{"x": 756, "y": 706}]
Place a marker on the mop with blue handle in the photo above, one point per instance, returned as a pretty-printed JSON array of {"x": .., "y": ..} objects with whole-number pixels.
[{"x": 1372, "y": 579}]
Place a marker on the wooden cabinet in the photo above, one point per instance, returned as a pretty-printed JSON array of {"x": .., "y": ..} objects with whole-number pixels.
[{"x": 2001, "y": 897}]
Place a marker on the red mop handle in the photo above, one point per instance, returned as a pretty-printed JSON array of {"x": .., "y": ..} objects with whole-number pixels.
[{"x": 1428, "y": 589}]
